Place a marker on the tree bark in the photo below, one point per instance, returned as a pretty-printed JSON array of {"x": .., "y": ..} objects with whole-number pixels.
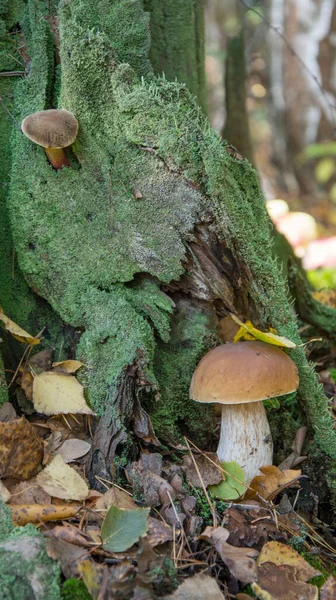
[{"x": 152, "y": 235}]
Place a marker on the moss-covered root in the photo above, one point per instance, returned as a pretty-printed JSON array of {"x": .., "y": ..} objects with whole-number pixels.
[
  {"x": 116, "y": 336},
  {"x": 26, "y": 571},
  {"x": 3, "y": 384},
  {"x": 193, "y": 331},
  {"x": 177, "y": 43}
]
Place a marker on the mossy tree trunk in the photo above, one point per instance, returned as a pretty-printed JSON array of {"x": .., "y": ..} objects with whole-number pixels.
[
  {"x": 177, "y": 43},
  {"x": 153, "y": 234}
]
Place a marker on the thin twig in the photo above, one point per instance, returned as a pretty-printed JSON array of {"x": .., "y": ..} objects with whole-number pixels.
[
  {"x": 212, "y": 508},
  {"x": 11, "y": 73}
]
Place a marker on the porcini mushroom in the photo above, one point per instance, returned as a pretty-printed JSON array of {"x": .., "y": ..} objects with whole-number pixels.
[
  {"x": 239, "y": 376},
  {"x": 54, "y": 130}
]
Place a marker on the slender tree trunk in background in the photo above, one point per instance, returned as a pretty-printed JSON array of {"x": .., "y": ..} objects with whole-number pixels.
[
  {"x": 153, "y": 234},
  {"x": 303, "y": 113}
]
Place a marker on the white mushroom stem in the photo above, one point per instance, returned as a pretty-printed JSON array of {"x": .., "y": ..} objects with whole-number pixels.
[{"x": 246, "y": 437}]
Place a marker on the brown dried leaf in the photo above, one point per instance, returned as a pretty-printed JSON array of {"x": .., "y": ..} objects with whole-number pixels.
[
  {"x": 172, "y": 516},
  {"x": 158, "y": 532},
  {"x": 62, "y": 481},
  {"x": 211, "y": 473},
  {"x": 122, "y": 580},
  {"x": 73, "y": 449},
  {"x": 328, "y": 590},
  {"x": 36, "y": 513},
  {"x": 147, "y": 483},
  {"x": 7, "y": 412},
  {"x": 281, "y": 554},
  {"x": 248, "y": 530},
  {"x": 65, "y": 425},
  {"x": 71, "y": 534},
  {"x": 21, "y": 449},
  {"x": 41, "y": 361},
  {"x": 295, "y": 457},
  {"x": 67, "y": 555},
  {"x": 29, "y": 492},
  {"x": 142, "y": 425},
  {"x": 271, "y": 482},
  {"x": 278, "y": 582},
  {"x": 115, "y": 496},
  {"x": 238, "y": 560},
  {"x": 198, "y": 587}
]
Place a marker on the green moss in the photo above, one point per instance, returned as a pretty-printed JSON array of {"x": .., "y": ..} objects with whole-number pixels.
[
  {"x": 16, "y": 298},
  {"x": 73, "y": 589},
  {"x": 192, "y": 333},
  {"x": 26, "y": 571}
]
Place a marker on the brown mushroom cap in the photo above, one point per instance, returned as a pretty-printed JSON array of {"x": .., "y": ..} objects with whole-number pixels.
[
  {"x": 51, "y": 128},
  {"x": 243, "y": 372}
]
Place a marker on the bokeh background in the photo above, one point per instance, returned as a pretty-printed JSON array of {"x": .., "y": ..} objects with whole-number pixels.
[{"x": 288, "y": 49}]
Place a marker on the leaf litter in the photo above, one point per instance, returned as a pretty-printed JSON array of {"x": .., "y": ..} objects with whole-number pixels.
[{"x": 175, "y": 529}]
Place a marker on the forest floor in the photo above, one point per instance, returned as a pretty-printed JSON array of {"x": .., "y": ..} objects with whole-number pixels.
[{"x": 175, "y": 523}]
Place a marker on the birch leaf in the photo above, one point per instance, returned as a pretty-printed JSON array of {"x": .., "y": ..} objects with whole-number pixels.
[
  {"x": 263, "y": 336},
  {"x": 233, "y": 486},
  {"x": 57, "y": 393},
  {"x": 61, "y": 481},
  {"x": 68, "y": 366},
  {"x": 281, "y": 554},
  {"x": 20, "y": 334},
  {"x": 122, "y": 528}
]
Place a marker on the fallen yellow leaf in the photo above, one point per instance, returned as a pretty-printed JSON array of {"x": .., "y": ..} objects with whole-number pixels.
[
  {"x": 68, "y": 366},
  {"x": 91, "y": 573},
  {"x": 36, "y": 513},
  {"x": 20, "y": 334},
  {"x": 282, "y": 554},
  {"x": 57, "y": 393},
  {"x": 271, "y": 482},
  {"x": 61, "y": 481},
  {"x": 264, "y": 336}
]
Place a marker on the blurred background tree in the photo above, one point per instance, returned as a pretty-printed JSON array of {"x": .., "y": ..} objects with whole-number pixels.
[{"x": 290, "y": 94}]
